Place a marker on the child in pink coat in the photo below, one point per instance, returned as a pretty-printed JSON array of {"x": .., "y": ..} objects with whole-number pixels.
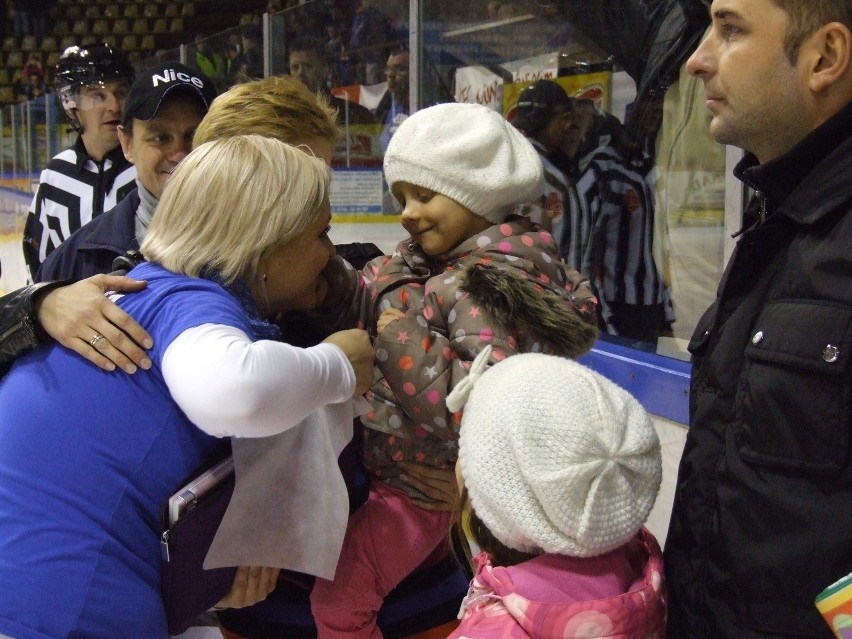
[{"x": 559, "y": 468}]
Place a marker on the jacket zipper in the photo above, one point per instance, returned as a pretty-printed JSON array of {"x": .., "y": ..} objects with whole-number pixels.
[{"x": 762, "y": 198}]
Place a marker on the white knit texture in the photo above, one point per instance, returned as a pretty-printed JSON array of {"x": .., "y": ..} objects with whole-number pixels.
[
  {"x": 468, "y": 153},
  {"x": 557, "y": 458}
]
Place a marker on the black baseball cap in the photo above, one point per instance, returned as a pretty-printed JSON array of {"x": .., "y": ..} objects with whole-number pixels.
[
  {"x": 539, "y": 102},
  {"x": 152, "y": 85}
]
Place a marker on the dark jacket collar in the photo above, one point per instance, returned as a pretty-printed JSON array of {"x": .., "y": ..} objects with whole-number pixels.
[
  {"x": 822, "y": 161},
  {"x": 115, "y": 230}
]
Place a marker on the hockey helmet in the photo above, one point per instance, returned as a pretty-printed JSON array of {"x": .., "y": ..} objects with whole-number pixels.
[{"x": 88, "y": 65}]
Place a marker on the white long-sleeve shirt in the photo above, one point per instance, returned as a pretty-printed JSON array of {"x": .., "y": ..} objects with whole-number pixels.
[{"x": 230, "y": 386}]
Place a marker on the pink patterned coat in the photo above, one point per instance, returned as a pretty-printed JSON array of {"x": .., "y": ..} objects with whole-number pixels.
[{"x": 495, "y": 609}]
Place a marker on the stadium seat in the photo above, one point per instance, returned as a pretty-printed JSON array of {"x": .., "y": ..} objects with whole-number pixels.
[
  {"x": 100, "y": 27},
  {"x": 80, "y": 28},
  {"x": 49, "y": 44},
  {"x": 129, "y": 43},
  {"x": 29, "y": 43}
]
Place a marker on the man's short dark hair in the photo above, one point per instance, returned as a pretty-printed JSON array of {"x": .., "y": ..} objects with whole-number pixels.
[
  {"x": 396, "y": 48},
  {"x": 314, "y": 45},
  {"x": 806, "y": 16}
]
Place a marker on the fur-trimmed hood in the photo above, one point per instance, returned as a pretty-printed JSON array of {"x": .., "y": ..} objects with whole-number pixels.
[{"x": 516, "y": 303}]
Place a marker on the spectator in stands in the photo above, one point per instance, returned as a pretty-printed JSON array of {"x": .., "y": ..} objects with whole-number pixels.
[
  {"x": 236, "y": 40},
  {"x": 393, "y": 108},
  {"x": 33, "y": 65},
  {"x": 507, "y": 10},
  {"x": 208, "y": 61},
  {"x": 82, "y": 182},
  {"x": 19, "y": 86},
  {"x": 492, "y": 9},
  {"x": 36, "y": 87},
  {"x": 232, "y": 62},
  {"x": 251, "y": 59},
  {"x": 337, "y": 52},
  {"x": 367, "y": 39},
  {"x": 308, "y": 63}
]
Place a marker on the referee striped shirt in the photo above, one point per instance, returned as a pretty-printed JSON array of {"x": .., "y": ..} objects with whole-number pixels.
[
  {"x": 609, "y": 236},
  {"x": 72, "y": 190}
]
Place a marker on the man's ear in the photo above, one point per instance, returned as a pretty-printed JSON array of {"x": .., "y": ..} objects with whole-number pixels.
[
  {"x": 126, "y": 142},
  {"x": 829, "y": 50}
]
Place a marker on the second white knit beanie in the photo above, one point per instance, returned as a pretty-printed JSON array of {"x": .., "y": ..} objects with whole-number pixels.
[{"x": 556, "y": 457}]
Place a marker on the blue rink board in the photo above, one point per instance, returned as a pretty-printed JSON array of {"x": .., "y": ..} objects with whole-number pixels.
[{"x": 661, "y": 384}]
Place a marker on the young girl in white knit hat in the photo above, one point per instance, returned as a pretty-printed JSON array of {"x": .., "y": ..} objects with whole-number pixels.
[
  {"x": 470, "y": 275},
  {"x": 559, "y": 468}
]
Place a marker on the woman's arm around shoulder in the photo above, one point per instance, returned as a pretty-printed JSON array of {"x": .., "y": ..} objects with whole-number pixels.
[{"x": 230, "y": 386}]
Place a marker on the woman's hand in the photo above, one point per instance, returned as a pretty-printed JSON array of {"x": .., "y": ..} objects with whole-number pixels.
[
  {"x": 435, "y": 483},
  {"x": 388, "y": 316},
  {"x": 251, "y": 584},
  {"x": 79, "y": 317},
  {"x": 356, "y": 345}
]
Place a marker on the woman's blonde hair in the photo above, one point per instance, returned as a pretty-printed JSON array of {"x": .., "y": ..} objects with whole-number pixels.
[
  {"x": 278, "y": 107},
  {"x": 230, "y": 201}
]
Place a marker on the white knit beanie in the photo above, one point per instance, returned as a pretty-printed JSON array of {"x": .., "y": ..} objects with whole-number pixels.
[
  {"x": 468, "y": 153},
  {"x": 555, "y": 457}
]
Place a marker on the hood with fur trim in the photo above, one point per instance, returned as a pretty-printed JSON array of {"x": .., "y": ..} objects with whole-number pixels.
[{"x": 518, "y": 304}]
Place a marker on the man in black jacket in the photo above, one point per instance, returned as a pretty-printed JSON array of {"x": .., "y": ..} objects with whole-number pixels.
[
  {"x": 164, "y": 107},
  {"x": 762, "y": 518}
]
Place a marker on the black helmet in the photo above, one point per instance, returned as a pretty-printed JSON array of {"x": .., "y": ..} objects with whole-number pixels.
[
  {"x": 91, "y": 64},
  {"x": 85, "y": 66}
]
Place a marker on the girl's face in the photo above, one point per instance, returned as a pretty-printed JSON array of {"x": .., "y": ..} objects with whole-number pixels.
[
  {"x": 437, "y": 223},
  {"x": 294, "y": 271}
]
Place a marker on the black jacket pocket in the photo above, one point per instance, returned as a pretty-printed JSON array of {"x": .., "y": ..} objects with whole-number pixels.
[{"x": 793, "y": 402}]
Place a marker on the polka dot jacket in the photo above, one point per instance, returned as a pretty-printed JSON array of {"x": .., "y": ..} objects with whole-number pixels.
[{"x": 423, "y": 355}]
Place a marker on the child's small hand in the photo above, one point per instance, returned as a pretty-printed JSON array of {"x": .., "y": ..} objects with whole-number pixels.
[
  {"x": 388, "y": 316},
  {"x": 439, "y": 485}
]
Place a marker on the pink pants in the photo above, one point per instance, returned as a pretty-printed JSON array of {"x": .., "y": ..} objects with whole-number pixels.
[{"x": 386, "y": 539}]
